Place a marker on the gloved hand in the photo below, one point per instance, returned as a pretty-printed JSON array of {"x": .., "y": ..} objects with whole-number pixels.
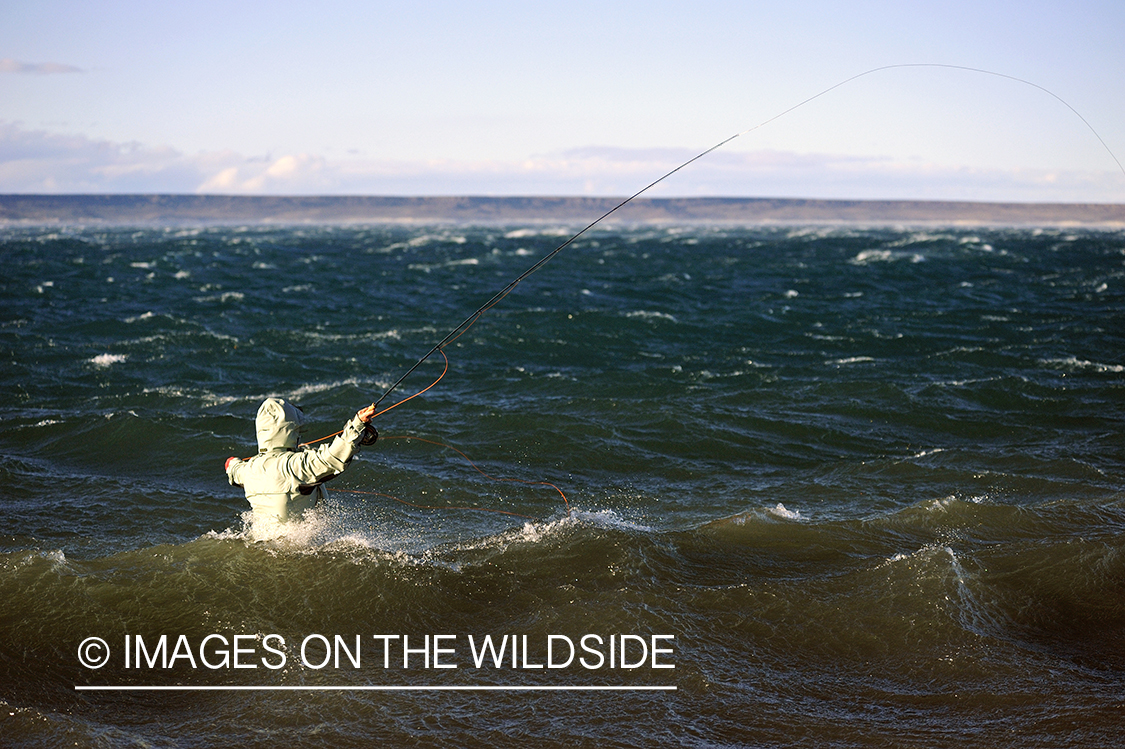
[
  {"x": 369, "y": 433},
  {"x": 226, "y": 466}
]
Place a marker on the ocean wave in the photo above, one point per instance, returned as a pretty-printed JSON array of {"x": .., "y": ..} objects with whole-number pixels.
[
  {"x": 54, "y": 559},
  {"x": 424, "y": 240},
  {"x": 365, "y": 534},
  {"x": 1074, "y": 363},
  {"x": 849, "y": 360},
  {"x": 763, "y": 515},
  {"x": 313, "y": 388},
  {"x": 927, "y": 453},
  {"x": 926, "y": 237},
  {"x": 650, "y": 315},
  {"x": 318, "y": 336},
  {"x": 525, "y": 233},
  {"x": 781, "y": 512},
  {"x": 608, "y": 519},
  {"x": 866, "y": 257},
  {"x": 428, "y": 267},
  {"x": 819, "y": 232},
  {"x": 226, "y": 296},
  {"x": 143, "y": 316},
  {"x": 205, "y": 398}
]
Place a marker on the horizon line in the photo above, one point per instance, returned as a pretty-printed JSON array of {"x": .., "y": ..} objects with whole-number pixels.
[
  {"x": 373, "y": 688},
  {"x": 539, "y": 196}
]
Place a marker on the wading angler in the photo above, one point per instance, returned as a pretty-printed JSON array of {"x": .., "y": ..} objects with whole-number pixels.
[{"x": 286, "y": 478}]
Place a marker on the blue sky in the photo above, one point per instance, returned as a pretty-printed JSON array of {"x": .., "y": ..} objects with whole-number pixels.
[{"x": 574, "y": 98}]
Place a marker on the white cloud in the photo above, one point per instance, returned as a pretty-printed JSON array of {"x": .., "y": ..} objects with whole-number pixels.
[
  {"x": 38, "y": 161},
  {"x": 301, "y": 173},
  {"x": 224, "y": 181},
  {"x": 8, "y": 65}
]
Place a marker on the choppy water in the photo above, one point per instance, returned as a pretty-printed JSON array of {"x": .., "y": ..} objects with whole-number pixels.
[{"x": 869, "y": 480}]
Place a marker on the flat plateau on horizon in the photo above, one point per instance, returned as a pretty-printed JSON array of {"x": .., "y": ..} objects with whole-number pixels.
[{"x": 231, "y": 209}]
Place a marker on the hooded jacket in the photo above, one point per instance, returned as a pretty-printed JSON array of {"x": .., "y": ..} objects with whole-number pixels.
[{"x": 284, "y": 479}]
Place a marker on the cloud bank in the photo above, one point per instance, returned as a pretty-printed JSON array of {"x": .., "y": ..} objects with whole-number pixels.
[
  {"x": 8, "y": 65},
  {"x": 36, "y": 161}
]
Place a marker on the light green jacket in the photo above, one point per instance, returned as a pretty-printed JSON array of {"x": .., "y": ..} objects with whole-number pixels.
[{"x": 284, "y": 479}]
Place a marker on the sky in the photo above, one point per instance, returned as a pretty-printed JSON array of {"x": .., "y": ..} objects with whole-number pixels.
[{"x": 346, "y": 97}]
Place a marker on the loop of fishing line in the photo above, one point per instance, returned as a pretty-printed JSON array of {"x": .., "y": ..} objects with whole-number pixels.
[
  {"x": 471, "y": 320},
  {"x": 460, "y": 330}
]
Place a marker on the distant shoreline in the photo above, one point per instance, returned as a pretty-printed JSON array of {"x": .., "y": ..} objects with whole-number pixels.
[{"x": 118, "y": 210}]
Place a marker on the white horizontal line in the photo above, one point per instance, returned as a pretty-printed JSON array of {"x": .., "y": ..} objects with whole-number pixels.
[{"x": 370, "y": 688}]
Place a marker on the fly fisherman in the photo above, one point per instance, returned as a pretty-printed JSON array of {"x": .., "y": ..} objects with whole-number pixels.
[{"x": 284, "y": 479}]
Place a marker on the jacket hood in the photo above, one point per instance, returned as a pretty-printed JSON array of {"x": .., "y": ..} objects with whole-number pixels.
[{"x": 279, "y": 424}]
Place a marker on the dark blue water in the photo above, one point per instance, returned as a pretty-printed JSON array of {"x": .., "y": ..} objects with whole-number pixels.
[{"x": 866, "y": 483}]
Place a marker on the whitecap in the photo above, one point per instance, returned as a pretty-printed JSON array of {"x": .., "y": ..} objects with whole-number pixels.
[
  {"x": 320, "y": 387},
  {"x": 206, "y": 398},
  {"x": 849, "y": 360},
  {"x": 1073, "y": 362},
  {"x": 105, "y": 360},
  {"x": 604, "y": 519},
  {"x": 226, "y": 296},
  {"x": 144, "y": 316},
  {"x": 649, "y": 315},
  {"x": 925, "y": 453},
  {"x": 781, "y": 512},
  {"x": 885, "y": 256},
  {"x": 426, "y": 239},
  {"x": 872, "y": 256}
]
